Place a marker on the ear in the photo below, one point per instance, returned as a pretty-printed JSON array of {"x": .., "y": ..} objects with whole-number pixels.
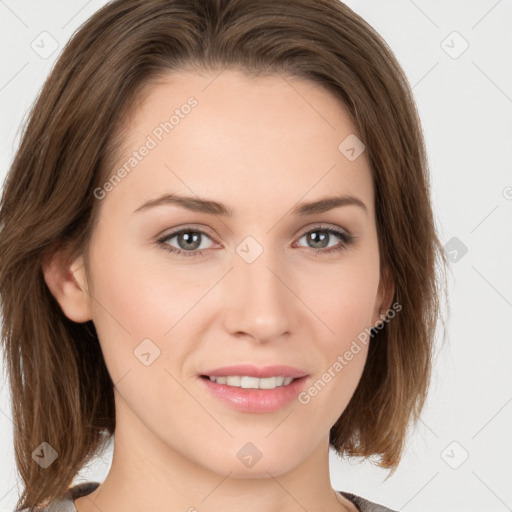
[
  {"x": 385, "y": 294},
  {"x": 67, "y": 282}
]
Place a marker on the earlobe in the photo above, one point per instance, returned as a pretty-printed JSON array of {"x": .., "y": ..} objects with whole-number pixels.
[{"x": 68, "y": 284}]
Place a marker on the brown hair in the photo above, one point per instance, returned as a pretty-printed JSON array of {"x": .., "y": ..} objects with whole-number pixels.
[{"x": 62, "y": 393}]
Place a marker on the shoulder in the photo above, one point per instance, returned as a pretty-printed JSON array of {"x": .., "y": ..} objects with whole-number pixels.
[
  {"x": 364, "y": 505},
  {"x": 65, "y": 503}
]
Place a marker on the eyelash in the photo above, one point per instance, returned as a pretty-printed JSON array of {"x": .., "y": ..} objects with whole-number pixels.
[{"x": 347, "y": 240}]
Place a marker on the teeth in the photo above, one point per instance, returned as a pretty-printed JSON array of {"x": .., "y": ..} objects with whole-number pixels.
[{"x": 247, "y": 382}]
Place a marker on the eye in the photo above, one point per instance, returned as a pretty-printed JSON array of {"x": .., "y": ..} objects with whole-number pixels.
[
  {"x": 327, "y": 233},
  {"x": 190, "y": 240}
]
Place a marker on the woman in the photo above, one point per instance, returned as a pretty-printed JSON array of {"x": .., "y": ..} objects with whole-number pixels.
[{"x": 217, "y": 242}]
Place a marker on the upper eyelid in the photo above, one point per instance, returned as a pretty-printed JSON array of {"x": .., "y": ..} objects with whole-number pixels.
[{"x": 177, "y": 231}]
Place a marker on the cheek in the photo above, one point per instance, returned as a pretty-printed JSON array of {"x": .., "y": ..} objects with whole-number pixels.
[
  {"x": 344, "y": 296},
  {"x": 342, "y": 349},
  {"x": 146, "y": 310},
  {"x": 131, "y": 304},
  {"x": 343, "y": 301},
  {"x": 140, "y": 294}
]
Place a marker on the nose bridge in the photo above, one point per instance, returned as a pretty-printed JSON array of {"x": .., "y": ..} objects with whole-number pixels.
[{"x": 260, "y": 303}]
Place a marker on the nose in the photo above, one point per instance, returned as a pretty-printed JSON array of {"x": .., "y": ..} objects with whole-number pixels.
[{"x": 260, "y": 300}]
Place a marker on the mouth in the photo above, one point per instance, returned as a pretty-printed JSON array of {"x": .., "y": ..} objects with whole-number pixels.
[{"x": 250, "y": 394}]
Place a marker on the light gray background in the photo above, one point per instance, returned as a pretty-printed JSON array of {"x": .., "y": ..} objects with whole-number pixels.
[{"x": 458, "y": 457}]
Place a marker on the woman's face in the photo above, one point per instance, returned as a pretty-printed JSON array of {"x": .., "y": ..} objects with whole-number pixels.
[{"x": 256, "y": 287}]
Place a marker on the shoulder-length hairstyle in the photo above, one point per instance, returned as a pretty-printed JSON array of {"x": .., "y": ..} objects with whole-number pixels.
[{"x": 61, "y": 390}]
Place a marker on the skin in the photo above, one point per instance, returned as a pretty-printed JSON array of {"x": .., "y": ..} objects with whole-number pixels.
[{"x": 259, "y": 146}]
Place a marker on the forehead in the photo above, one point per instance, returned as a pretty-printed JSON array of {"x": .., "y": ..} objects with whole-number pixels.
[{"x": 235, "y": 137}]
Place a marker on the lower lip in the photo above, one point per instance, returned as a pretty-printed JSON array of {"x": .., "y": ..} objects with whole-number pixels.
[{"x": 256, "y": 400}]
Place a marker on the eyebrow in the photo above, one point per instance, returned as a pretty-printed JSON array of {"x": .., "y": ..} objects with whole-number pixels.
[{"x": 197, "y": 204}]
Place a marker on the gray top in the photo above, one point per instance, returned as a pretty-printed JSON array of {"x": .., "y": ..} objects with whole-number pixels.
[{"x": 65, "y": 504}]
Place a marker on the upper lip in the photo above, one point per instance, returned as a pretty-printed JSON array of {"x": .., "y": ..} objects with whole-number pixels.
[{"x": 256, "y": 371}]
